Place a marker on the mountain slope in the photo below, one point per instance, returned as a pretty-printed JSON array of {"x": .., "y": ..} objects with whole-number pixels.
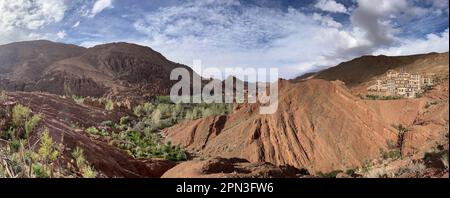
[
  {"x": 116, "y": 69},
  {"x": 366, "y": 68},
  {"x": 319, "y": 126}
]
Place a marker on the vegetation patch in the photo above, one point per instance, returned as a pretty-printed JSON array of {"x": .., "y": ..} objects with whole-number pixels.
[
  {"x": 432, "y": 103},
  {"x": 21, "y": 159},
  {"x": 3, "y": 96},
  {"x": 331, "y": 174},
  {"x": 375, "y": 97}
]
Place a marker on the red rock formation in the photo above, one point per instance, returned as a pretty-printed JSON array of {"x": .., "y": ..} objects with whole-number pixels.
[
  {"x": 231, "y": 168},
  {"x": 319, "y": 126},
  {"x": 58, "y": 115}
]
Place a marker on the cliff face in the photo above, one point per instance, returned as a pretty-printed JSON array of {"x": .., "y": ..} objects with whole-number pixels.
[{"x": 319, "y": 126}]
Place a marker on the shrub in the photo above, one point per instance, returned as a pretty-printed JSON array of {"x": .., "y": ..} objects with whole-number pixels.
[
  {"x": 124, "y": 120},
  {"x": 332, "y": 174},
  {"x": 86, "y": 170},
  {"x": 444, "y": 159},
  {"x": 107, "y": 123},
  {"x": 429, "y": 104},
  {"x": 164, "y": 99},
  {"x": 393, "y": 154},
  {"x": 375, "y": 97},
  {"x": 20, "y": 113},
  {"x": 3, "y": 96},
  {"x": 350, "y": 172},
  {"x": 30, "y": 124},
  {"x": 95, "y": 131},
  {"x": 78, "y": 99},
  {"x": 47, "y": 152},
  {"x": 109, "y": 105},
  {"x": 400, "y": 128},
  {"x": 14, "y": 145},
  {"x": 40, "y": 171},
  {"x": 156, "y": 118},
  {"x": 143, "y": 110}
]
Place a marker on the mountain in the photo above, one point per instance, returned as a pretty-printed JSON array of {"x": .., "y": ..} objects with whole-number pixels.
[
  {"x": 363, "y": 69},
  {"x": 360, "y": 73},
  {"x": 321, "y": 125},
  {"x": 116, "y": 69},
  {"x": 23, "y": 63}
]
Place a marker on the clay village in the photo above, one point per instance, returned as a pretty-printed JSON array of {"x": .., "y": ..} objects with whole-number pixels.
[{"x": 402, "y": 84}]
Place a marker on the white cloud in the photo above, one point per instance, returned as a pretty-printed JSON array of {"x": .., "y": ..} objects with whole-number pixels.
[
  {"x": 76, "y": 24},
  {"x": 18, "y": 18},
  {"x": 294, "y": 41},
  {"x": 251, "y": 36},
  {"x": 326, "y": 20},
  {"x": 61, "y": 34},
  {"x": 88, "y": 44},
  {"x": 431, "y": 43},
  {"x": 331, "y": 6},
  {"x": 31, "y": 14},
  {"x": 226, "y": 33},
  {"x": 99, "y": 6}
]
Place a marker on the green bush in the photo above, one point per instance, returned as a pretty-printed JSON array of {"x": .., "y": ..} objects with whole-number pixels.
[
  {"x": 39, "y": 171},
  {"x": 444, "y": 159},
  {"x": 95, "y": 131},
  {"x": 164, "y": 99},
  {"x": 30, "y": 124},
  {"x": 78, "y": 99},
  {"x": 429, "y": 104},
  {"x": 15, "y": 145},
  {"x": 19, "y": 114},
  {"x": 332, "y": 174},
  {"x": 3, "y": 96},
  {"x": 107, "y": 123},
  {"x": 109, "y": 105},
  {"x": 86, "y": 170},
  {"x": 375, "y": 97},
  {"x": 124, "y": 120},
  {"x": 392, "y": 154},
  {"x": 47, "y": 151}
]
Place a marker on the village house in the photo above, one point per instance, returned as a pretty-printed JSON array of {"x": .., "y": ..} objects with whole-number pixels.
[{"x": 401, "y": 84}]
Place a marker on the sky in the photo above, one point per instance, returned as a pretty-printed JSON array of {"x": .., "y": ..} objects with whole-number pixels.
[{"x": 296, "y": 36}]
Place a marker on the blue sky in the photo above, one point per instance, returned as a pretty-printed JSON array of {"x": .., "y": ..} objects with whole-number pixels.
[{"x": 294, "y": 35}]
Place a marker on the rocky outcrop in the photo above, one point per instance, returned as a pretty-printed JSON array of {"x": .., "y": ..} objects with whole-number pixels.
[
  {"x": 231, "y": 168},
  {"x": 60, "y": 115},
  {"x": 319, "y": 126}
]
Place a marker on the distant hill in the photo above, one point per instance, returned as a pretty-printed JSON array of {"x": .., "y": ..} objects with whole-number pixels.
[
  {"x": 365, "y": 68},
  {"x": 112, "y": 69}
]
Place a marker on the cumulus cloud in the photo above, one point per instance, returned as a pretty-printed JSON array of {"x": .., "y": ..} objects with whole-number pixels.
[
  {"x": 431, "y": 43},
  {"x": 295, "y": 41},
  {"x": 31, "y": 14},
  {"x": 61, "y": 34},
  {"x": 331, "y": 6},
  {"x": 18, "y": 18},
  {"x": 375, "y": 18},
  {"x": 225, "y": 33},
  {"x": 245, "y": 36},
  {"x": 100, "y": 5},
  {"x": 326, "y": 20}
]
